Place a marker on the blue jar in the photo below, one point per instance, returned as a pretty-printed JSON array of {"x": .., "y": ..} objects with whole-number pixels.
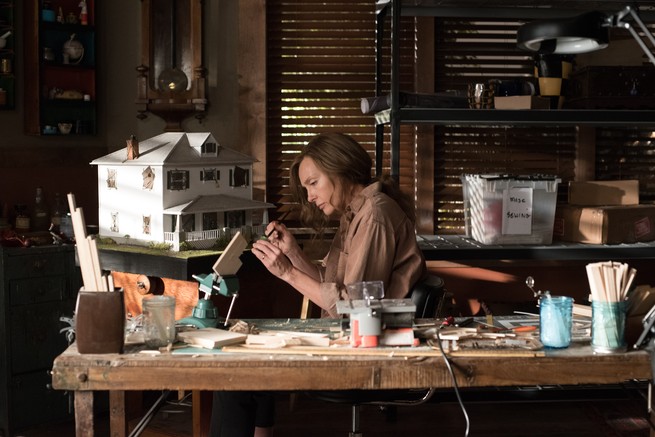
[
  {"x": 608, "y": 326},
  {"x": 555, "y": 320}
]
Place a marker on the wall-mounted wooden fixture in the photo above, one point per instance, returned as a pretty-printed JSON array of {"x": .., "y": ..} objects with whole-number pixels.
[{"x": 171, "y": 80}]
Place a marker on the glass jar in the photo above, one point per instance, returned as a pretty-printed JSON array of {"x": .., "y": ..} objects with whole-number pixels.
[
  {"x": 555, "y": 320},
  {"x": 158, "y": 321},
  {"x": 608, "y": 326}
]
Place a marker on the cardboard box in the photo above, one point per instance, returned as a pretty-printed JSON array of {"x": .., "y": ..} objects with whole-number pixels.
[
  {"x": 521, "y": 102},
  {"x": 605, "y": 224},
  {"x": 604, "y": 193},
  {"x": 502, "y": 209}
]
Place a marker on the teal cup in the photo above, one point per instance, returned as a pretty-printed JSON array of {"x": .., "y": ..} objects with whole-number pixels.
[
  {"x": 608, "y": 327},
  {"x": 555, "y": 320}
]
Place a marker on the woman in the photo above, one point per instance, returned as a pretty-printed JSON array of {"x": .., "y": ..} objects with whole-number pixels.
[{"x": 375, "y": 241}]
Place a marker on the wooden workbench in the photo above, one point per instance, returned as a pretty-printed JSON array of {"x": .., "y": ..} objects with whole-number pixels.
[{"x": 244, "y": 371}]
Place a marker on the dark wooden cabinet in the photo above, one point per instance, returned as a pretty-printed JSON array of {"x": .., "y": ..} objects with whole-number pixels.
[
  {"x": 60, "y": 68},
  {"x": 39, "y": 285}
]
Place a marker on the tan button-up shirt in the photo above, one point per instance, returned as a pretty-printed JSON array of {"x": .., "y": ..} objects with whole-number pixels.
[{"x": 375, "y": 241}]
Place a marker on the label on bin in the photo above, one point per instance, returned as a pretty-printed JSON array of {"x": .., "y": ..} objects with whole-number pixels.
[{"x": 517, "y": 211}]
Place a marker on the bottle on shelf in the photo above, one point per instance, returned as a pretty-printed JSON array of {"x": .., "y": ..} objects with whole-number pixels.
[
  {"x": 22, "y": 218},
  {"x": 62, "y": 224},
  {"x": 55, "y": 216},
  {"x": 40, "y": 216},
  {"x": 84, "y": 16}
]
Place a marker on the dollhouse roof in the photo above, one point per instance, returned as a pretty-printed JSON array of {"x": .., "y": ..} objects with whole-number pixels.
[
  {"x": 216, "y": 203},
  {"x": 176, "y": 148}
]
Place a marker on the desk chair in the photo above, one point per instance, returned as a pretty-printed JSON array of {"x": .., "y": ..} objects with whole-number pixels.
[{"x": 429, "y": 296}]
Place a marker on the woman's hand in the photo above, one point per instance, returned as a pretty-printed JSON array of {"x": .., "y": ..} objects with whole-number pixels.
[
  {"x": 278, "y": 235},
  {"x": 273, "y": 258}
]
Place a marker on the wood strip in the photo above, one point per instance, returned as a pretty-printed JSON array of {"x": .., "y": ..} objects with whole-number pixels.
[
  {"x": 496, "y": 353},
  {"x": 313, "y": 350},
  {"x": 101, "y": 284},
  {"x": 83, "y": 250}
]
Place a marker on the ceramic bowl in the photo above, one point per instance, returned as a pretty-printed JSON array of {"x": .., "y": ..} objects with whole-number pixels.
[{"x": 65, "y": 128}]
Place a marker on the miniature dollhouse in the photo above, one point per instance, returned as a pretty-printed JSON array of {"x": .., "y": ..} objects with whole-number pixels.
[{"x": 176, "y": 188}]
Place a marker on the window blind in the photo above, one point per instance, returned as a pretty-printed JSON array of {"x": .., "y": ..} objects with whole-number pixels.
[
  {"x": 320, "y": 64},
  {"x": 627, "y": 153}
]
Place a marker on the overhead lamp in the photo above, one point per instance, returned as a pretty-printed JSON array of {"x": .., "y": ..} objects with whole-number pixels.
[{"x": 581, "y": 34}]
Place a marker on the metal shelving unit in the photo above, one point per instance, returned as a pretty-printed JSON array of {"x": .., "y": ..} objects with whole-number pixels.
[
  {"x": 396, "y": 115},
  {"x": 457, "y": 247}
]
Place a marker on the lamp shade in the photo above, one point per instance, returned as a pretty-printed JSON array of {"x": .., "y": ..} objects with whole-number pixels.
[{"x": 580, "y": 34}]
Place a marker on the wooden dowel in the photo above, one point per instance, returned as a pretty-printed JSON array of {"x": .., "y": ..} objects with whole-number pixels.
[
  {"x": 95, "y": 265},
  {"x": 87, "y": 251},
  {"x": 83, "y": 251}
]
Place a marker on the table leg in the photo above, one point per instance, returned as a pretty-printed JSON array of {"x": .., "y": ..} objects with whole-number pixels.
[
  {"x": 117, "y": 420},
  {"x": 202, "y": 411},
  {"x": 84, "y": 413},
  {"x": 649, "y": 407}
]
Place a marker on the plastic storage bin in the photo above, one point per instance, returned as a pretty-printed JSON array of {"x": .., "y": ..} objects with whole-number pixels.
[{"x": 503, "y": 209}]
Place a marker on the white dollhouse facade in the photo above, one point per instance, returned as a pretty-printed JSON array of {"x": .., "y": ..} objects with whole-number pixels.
[{"x": 176, "y": 187}]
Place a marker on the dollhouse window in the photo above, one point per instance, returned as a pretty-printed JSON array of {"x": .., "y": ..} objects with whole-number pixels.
[
  {"x": 209, "y": 221},
  {"x": 188, "y": 222},
  {"x": 178, "y": 180},
  {"x": 146, "y": 224},
  {"x": 208, "y": 149},
  {"x": 235, "y": 219},
  {"x": 111, "y": 178},
  {"x": 148, "y": 178},
  {"x": 209, "y": 174},
  {"x": 114, "y": 222},
  {"x": 239, "y": 177}
]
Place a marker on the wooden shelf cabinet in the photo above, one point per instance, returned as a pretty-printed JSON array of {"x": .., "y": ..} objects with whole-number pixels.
[
  {"x": 7, "y": 74},
  {"x": 59, "y": 88},
  {"x": 39, "y": 285}
]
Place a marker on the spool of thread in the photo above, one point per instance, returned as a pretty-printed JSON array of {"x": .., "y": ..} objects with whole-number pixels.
[{"x": 149, "y": 285}]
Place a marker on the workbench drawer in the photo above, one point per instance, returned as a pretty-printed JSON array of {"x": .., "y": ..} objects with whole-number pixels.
[
  {"x": 37, "y": 290},
  {"x": 31, "y": 265}
]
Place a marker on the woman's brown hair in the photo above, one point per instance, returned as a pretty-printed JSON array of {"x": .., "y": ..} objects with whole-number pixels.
[{"x": 347, "y": 164}]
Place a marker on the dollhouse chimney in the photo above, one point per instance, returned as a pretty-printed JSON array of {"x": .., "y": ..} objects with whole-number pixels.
[{"x": 132, "y": 148}]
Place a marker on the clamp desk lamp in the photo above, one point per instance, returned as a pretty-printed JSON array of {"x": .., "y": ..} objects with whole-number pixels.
[
  {"x": 581, "y": 34},
  {"x": 222, "y": 281}
]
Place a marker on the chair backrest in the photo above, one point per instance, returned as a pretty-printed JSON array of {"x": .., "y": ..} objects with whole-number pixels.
[{"x": 428, "y": 296}]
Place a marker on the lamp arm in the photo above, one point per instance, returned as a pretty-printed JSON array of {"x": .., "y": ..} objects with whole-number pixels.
[{"x": 617, "y": 21}]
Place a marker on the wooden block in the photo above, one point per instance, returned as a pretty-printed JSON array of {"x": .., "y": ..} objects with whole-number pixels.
[
  {"x": 211, "y": 338},
  {"x": 229, "y": 263}
]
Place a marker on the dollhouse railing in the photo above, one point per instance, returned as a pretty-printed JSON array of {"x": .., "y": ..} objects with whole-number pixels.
[{"x": 210, "y": 238}]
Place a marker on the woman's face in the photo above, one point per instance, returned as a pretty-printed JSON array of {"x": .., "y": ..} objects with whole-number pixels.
[{"x": 320, "y": 189}]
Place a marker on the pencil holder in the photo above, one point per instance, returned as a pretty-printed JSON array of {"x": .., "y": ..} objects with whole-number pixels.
[
  {"x": 555, "y": 320},
  {"x": 608, "y": 327},
  {"x": 158, "y": 321},
  {"x": 100, "y": 322}
]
